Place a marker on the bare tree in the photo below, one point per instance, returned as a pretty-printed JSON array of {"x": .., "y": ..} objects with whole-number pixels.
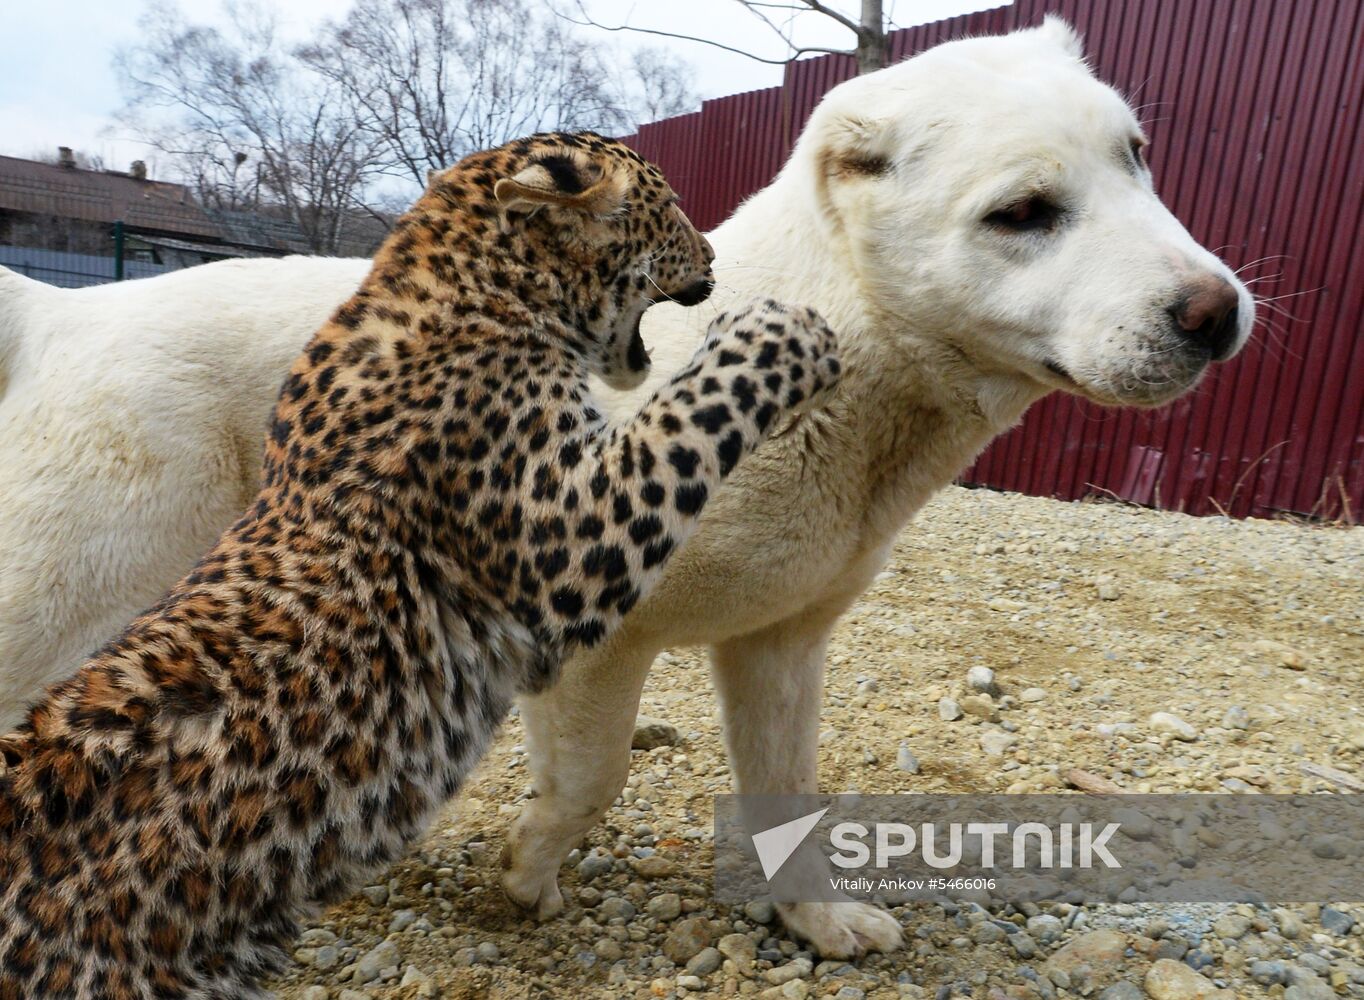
[
  {"x": 244, "y": 123},
  {"x": 870, "y": 30},
  {"x": 433, "y": 80},
  {"x": 659, "y": 85},
  {"x": 395, "y": 89}
]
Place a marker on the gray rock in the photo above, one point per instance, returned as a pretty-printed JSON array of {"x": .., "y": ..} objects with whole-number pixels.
[
  {"x": 987, "y": 933},
  {"x": 1123, "y": 991},
  {"x": 704, "y": 962},
  {"x": 1269, "y": 973},
  {"x": 666, "y": 906},
  {"x": 996, "y": 743},
  {"x": 1336, "y": 922},
  {"x": 760, "y": 911},
  {"x": 402, "y": 920},
  {"x": 739, "y": 949},
  {"x": 1233, "y": 926},
  {"x": 1313, "y": 989},
  {"x": 1330, "y": 848},
  {"x": 653, "y": 733},
  {"x": 1097, "y": 950},
  {"x": 376, "y": 894},
  {"x": 982, "y": 706},
  {"x": 1290, "y": 924},
  {"x": 1310, "y": 965},
  {"x": 354, "y": 995},
  {"x": 416, "y": 977},
  {"x": 1236, "y": 718},
  {"x": 1134, "y": 823},
  {"x": 1171, "y": 946},
  {"x": 608, "y": 950},
  {"x": 686, "y": 939},
  {"x": 1171, "y": 980},
  {"x": 1023, "y": 944},
  {"x": 384, "y": 955},
  {"x": 1172, "y": 725},
  {"x": 616, "y": 908},
  {"x": 315, "y": 936},
  {"x": 488, "y": 952},
  {"x": 594, "y": 866},
  {"x": 315, "y": 993},
  {"x": 905, "y": 759},
  {"x": 1045, "y": 928},
  {"x": 949, "y": 710},
  {"x": 982, "y": 679},
  {"x": 782, "y": 974},
  {"x": 1032, "y": 695}
]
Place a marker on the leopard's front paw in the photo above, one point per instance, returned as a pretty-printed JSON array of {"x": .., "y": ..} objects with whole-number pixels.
[{"x": 790, "y": 349}]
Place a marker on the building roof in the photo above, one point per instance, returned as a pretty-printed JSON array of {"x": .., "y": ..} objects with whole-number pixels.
[
  {"x": 101, "y": 196},
  {"x": 257, "y": 229}
]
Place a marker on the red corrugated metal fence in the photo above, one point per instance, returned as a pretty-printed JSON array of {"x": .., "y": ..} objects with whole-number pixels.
[{"x": 1254, "y": 110}]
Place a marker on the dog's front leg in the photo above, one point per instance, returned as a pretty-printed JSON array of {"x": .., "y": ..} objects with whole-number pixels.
[
  {"x": 578, "y": 737},
  {"x": 771, "y": 686}
]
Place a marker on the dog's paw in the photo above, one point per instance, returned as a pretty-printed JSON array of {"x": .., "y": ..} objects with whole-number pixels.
[
  {"x": 842, "y": 930},
  {"x": 535, "y": 891}
]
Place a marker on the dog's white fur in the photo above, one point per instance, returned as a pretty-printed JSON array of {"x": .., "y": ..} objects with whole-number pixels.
[
  {"x": 947, "y": 326},
  {"x": 131, "y": 415},
  {"x": 132, "y": 418}
]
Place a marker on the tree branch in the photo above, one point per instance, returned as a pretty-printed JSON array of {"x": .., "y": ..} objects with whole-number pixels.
[{"x": 796, "y": 52}]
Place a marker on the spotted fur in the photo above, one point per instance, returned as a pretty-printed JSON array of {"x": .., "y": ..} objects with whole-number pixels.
[{"x": 444, "y": 516}]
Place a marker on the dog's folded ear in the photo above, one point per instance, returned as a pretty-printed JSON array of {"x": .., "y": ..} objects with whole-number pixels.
[
  {"x": 1067, "y": 39},
  {"x": 857, "y": 146},
  {"x": 562, "y": 180}
]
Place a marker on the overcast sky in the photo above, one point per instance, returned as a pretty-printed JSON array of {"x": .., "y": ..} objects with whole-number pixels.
[{"x": 57, "y": 85}]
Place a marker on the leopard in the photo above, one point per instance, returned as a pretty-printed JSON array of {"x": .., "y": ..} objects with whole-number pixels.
[{"x": 444, "y": 516}]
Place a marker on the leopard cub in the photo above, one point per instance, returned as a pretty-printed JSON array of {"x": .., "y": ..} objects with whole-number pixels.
[{"x": 444, "y": 516}]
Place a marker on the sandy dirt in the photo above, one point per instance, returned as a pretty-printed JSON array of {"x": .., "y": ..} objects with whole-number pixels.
[{"x": 1092, "y": 616}]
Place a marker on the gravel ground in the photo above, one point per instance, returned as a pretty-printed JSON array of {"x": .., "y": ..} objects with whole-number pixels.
[{"x": 1093, "y": 617}]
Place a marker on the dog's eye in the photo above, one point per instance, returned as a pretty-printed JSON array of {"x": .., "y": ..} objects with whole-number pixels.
[{"x": 1027, "y": 215}]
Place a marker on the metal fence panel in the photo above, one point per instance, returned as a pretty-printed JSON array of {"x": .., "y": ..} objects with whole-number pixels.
[
  {"x": 72, "y": 270},
  {"x": 1255, "y": 113}
]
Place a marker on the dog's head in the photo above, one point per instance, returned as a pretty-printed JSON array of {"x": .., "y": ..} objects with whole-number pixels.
[{"x": 992, "y": 192}]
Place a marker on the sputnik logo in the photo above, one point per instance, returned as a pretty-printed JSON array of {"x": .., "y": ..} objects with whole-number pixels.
[{"x": 776, "y": 845}]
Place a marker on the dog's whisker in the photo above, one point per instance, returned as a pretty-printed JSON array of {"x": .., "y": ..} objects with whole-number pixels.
[{"x": 1260, "y": 260}]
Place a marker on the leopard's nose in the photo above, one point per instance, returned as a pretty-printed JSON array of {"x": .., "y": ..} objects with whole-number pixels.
[{"x": 695, "y": 293}]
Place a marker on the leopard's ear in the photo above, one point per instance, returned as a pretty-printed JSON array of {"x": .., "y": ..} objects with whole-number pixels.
[{"x": 567, "y": 180}]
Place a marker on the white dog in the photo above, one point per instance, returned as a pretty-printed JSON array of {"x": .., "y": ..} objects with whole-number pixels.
[
  {"x": 976, "y": 222},
  {"x": 132, "y": 418},
  {"x": 979, "y": 226}
]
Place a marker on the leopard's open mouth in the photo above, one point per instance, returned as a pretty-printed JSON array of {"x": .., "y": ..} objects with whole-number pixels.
[{"x": 636, "y": 354}]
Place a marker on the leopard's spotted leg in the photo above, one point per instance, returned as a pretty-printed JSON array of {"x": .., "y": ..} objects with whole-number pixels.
[{"x": 631, "y": 496}]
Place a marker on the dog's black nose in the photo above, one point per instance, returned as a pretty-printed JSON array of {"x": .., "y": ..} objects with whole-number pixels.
[{"x": 1207, "y": 314}]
